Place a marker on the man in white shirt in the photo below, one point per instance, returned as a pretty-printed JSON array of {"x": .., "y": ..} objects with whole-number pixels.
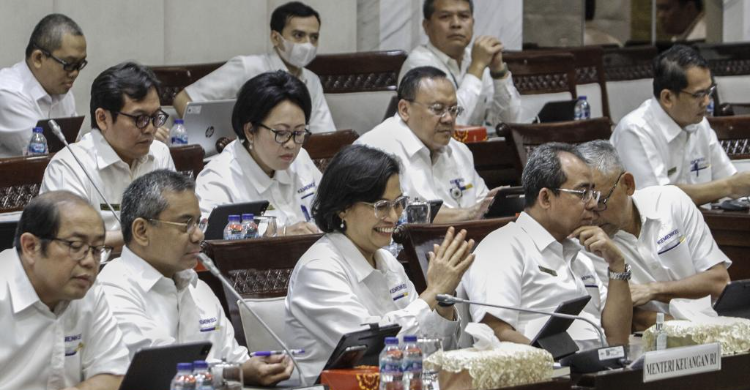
[
  {"x": 153, "y": 290},
  {"x": 436, "y": 166},
  {"x": 58, "y": 331},
  {"x": 39, "y": 87},
  {"x": 684, "y": 20},
  {"x": 662, "y": 235},
  {"x": 295, "y": 29},
  {"x": 533, "y": 263},
  {"x": 484, "y": 85},
  {"x": 125, "y": 116},
  {"x": 667, "y": 140}
]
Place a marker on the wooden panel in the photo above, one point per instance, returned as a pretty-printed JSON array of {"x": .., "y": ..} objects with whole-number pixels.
[
  {"x": 188, "y": 159},
  {"x": 731, "y": 230},
  {"x": 542, "y": 72},
  {"x": 733, "y": 133},
  {"x": 493, "y": 161},
  {"x": 20, "y": 180},
  {"x": 629, "y": 63},
  {"x": 358, "y": 72},
  {"x": 323, "y": 146}
]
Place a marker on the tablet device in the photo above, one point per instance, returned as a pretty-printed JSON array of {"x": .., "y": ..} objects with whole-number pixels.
[
  {"x": 558, "y": 111},
  {"x": 154, "y": 368},
  {"x": 69, "y": 126},
  {"x": 734, "y": 301},
  {"x": 207, "y": 122},
  {"x": 219, "y": 216},
  {"x": 554, "y": 336},
  {"x": 434, "y": 208},
  {"x": 508, "y": 202}
]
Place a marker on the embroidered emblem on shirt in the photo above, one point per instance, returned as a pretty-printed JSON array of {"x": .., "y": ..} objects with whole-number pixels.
[
  {"x": 400, "y": 292},
  {"x": 458, "y": 188},
  {"x": 547, "y": 271},
  {"x": 670, "y": 241},
  {"x": 310, "y": 187},
  {"x": 698, "y": 165},
  {"x": 589, "y": 281},
  {"x": 73, "y": 344},
  {"x": 208, "y": 324}
]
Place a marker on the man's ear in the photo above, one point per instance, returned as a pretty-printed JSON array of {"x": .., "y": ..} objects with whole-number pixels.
[
  {"x": 140, "y": 230},
  {"x": 628, "y": 180},
  {"x": 544, "y": 199},
  {"x": 36, "y": 58},
  {"x": 277, "y": 39},
  {"x": 404, "y": 110},
  {"x": 667, "y": 98},
  {"x": 30, "y": 246},
  {"x": 101, "y": 119}
]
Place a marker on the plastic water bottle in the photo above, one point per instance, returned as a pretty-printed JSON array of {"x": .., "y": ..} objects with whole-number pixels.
[
  {"x": 710, "y": 108},
  {"x": 660, "y": 335},
  {"x": 37, "y": 143},
  {"x": 390, "y": 365},
  {"x": 582, "y": 110},
  {"x": 178, "y": 134},
  {"x": 203, "y": 378},
  {"x": 233, "y": 230},
  {"x": 249, "y": 227},
  {"x": 184, "y": 379},
  {"x": 411, "y": 365}
]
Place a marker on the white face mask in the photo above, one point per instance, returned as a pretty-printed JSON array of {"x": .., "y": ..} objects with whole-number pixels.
[{"x": 298, "y": 54}]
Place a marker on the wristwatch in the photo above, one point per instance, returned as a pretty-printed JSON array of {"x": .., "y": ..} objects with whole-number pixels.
[
  {"x": 500, "y": 74},
  {"x": 620, "y": 275}
]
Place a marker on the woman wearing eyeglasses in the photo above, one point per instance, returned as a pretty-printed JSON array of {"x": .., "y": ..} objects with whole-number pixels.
[
  {"x": 346, "y": 279},
  {"x": 266, "y": 161}
]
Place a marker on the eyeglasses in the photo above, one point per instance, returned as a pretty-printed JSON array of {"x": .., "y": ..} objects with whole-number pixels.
[
  {"x": 440, "y": 110},
  {"x": 79, "y": 249},
  {"x": 700, "y": 95},
  {"x": 67, "y": 66},
  {"x": 187, "y": 227},
  {"x": 283, "y": 136},
  {"x": 159, "y": 118},
  {"x": 601, "y": 205},
  {"x": 383, "y": 208},
  {"x": 585, "y": 195}
]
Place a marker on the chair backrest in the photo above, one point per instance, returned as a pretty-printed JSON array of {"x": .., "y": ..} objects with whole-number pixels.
[
  {"x": 358, "y": 86},
  {"x": 730, "y": 67},
  {"x": 494, "y": 162},
  {"x": 174, "y": 78},
  {"x": 20, "y": 179},
  {"x": 629, "y": 74},
  {"x": 733, "y": 133},
  {"x": 418, "y": 239},
  {"x": 258, "y": 269},
  {"x": 323, "y": 146},
  {"x": 188, "y": 159}
]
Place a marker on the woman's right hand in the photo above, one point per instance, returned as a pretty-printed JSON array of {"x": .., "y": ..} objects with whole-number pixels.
[{"x": 448, "y": 262}]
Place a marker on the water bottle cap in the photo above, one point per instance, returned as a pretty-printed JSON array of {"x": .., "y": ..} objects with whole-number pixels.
[
  {"x": 38, "y": 130},
  {"x": 410, "y": 339},
  {"x": 200, "y": 364},
  {"x": 582, "y": 97},
  {"x": 184, "y": 366},
  {"x": 234, "y": 217},
  {"x": 391, "y": 340},
  {"x": 179, "y": 121},
  {"x": 247, "y": 216}
]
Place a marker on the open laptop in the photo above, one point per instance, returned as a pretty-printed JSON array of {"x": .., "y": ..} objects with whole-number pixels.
[
  {"x": 154, "y": 368},
  {"x": 219, "y": 216},
  {"x": 558, "y": 111},
  {"x": 734, "y": 301},
  {"x": 69, "y": 126},
  {"x": 207, "y": 122}
]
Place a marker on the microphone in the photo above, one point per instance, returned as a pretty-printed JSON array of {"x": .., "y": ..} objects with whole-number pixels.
[
  {"x": 211, "y": 267},
  {"x": 59, "y": 134}
]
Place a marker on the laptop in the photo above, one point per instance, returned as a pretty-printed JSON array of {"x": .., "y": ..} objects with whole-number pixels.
[
  {"x": 558, "y": 111},
  {"x": 507, "y": 202},
  {"x": 207, "y": 122},
  {"x": 219, "y": 216},
  {"x": 554, "y": 336},
  {"x": 154, "y": 368},
  {"x": 69, "y": 126},
  {"x": 734, "y": 301}
]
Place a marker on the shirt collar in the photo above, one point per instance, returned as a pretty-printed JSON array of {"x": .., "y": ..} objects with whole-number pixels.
[
  {"x": 670, "y": 127},
  {"x": 277, "y": 63},
  {"x": 353, "y": 257},
  {"x": 34, "y": 88},
  {"x": 22, "y": 293},
  {"x": 257, "y": 177},
  {"x": 542, "y": 238},
  {"x": 146, "y": 276},
  {"x": 647, "y": 210},
  {"x": 412, "y": 144},
  {"x": 106, "y": 155}
]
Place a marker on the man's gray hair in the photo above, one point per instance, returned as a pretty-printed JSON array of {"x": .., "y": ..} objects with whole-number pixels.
[
  {"x": 48, "y": 33},
  {"x": 602, "y": 156},
  {"x": 544, "y": 170},
  {"x": 144, "y": 197}
]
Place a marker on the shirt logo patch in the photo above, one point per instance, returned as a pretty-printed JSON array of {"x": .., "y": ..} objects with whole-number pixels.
[
  {"x": 589, "y": 281},
  {"x": 73, "y": 344},
  {"x": 208, "y": 324},
  {"x": 458, "y": 187},
  {"x": 399, "y": 292},
  {"x": 674, "y": 242},
  {"x": 310, "y": 187},
  {"x": 548, "y": 271},
  {"x": 698, "y": 165}
]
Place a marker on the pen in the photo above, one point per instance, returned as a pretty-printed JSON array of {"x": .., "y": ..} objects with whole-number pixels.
[{"x": 294, "y": 352}]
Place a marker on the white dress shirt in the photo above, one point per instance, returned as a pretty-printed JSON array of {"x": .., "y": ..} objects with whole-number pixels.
[
  {"x": 522, "y": 265},
  {"x": 333, "y": 290},
  {"x": 23, "y": 102},
  {"x": 234, "y": 177},
  {"x": 154, "y": 310},
  {"x": 657, "y": 151},
  {"x": 111, "y": 175},
  {"x": 225, "y": 83},
  {"x": 450, "y": 177},
  {"x": 53, "y": 349},
  {"x": 486, "y": 101}
]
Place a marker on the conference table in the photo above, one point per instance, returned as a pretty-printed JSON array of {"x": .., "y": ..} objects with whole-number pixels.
[{"x": 731, "y": 230}]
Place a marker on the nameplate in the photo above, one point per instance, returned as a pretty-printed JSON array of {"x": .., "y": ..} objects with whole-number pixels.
[{"x": 676, "y": 362}]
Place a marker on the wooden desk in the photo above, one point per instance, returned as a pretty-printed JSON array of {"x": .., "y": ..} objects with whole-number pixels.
[{"x": 731, "y": 230}]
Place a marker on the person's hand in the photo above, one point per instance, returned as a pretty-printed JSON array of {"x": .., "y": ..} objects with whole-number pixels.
[
  {"x": 496, "y": 65},
  {"x": 640, "y": 293},
  {"x": 483, "y": 54},
  {"x": 300, "y": 228},
  {"x": 162, "y": 134},
  {"x": 480, "y": 209},
  {"x": 267, "y": 371},
  {"x": 449, "y": 261},
  {"x": 596, "y": 241}
]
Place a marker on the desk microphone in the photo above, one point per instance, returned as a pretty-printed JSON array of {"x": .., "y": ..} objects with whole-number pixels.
[
  {"x": 211, "y": 267},
  {"x": 59, "y": 134}
]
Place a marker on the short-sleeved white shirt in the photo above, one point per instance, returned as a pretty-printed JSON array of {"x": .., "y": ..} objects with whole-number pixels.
[
  {"x": 522, "y": 265},
  {"x": 657, "y": 151},
  {"x": 451, "y": 177},
  {"x": 52, "y": 349},
  {"x": 154, "y": 310},
  {"x": 23, "y": 102},
  {"x": 234, "y": 177},
  {"x": 111, "y": 175},
  {"x": 225, "y": 83},
  {"x": 486, "y": 101},
  {"x": 333, "y": 290}
]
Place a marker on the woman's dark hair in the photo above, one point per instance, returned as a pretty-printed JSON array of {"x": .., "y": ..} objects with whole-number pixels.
[
  {"x": 357, "y": 173},
  {"x": 262, "y": 93},
  {"x": 109, "y": 89}
]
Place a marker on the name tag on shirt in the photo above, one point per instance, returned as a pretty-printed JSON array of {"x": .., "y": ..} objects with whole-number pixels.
[
  {"x": 399, "y": 292},
  {"x": 547, "y": 271}
]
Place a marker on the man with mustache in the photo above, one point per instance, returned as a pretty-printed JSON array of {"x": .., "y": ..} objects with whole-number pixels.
[
  {"x": 483, "y": 84},
  {"x": 58, "y": 331},
  {"x": 436, "y": 166},
  {"x": 125, "y": 116}
]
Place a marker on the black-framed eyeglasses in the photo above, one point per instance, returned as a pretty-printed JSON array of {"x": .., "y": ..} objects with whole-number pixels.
[
  {"x": 67, "y": 66},
  {"x": 700, "y": 95},
  {"x": 601, "y": 205},
  {"x": 586, "y": 195},
  {"x": 439, "y": 110},
  {"x": 382, "y": 208},
  {"x": 79, "y": 249},
  {"x": 158, "y": 119},
  {"x": 186, "y": 227},
  {"x": 283, "y": 136}
]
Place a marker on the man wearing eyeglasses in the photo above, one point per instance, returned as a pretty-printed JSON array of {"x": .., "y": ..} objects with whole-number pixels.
[
  {"x": 58, "y": 330},
  {"x": 39, "y": 87},
  {"x": 436, "y": 166},
  {"x": 125, "y": 116},
  {"x": 152, "y": 288},
  {"x": 536, "y": 263},
  {"x": 667, "y": 140},
  {"x": 662, "y": 235}
]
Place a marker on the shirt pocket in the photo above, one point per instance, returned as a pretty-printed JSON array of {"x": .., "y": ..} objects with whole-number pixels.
[{"x": 674, "y": 257}]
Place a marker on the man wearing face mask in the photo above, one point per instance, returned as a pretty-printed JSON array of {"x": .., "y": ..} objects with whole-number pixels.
[
  {"x": 667, "y": 140},
  {"x": 295, "y": 29}
]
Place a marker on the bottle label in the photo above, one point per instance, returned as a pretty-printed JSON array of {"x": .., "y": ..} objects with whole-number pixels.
[
  {"x": 182, "y": 140},
  {"x": 413, "y": 366},
  {"x": 37, "y": 148}
]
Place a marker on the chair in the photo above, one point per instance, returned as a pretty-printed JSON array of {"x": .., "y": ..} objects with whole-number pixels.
[
  {"x": 20, "y": 180},
  {"x": 730, "y": 67},
  {"x": 323, "y": 146},
  {"x": 494, "y": 162},
  {"x": 629, "y": 74},
  {"x": 188, "y": 159},
  {"x": 174, "y": 78},
  {"x": 358, "y": 86},
  {"x": 590, "y": 81},
  {"x": 541, "y": 77},
  {"x": 733, "y": 133},
  {"x": 259, "y": 270}
]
